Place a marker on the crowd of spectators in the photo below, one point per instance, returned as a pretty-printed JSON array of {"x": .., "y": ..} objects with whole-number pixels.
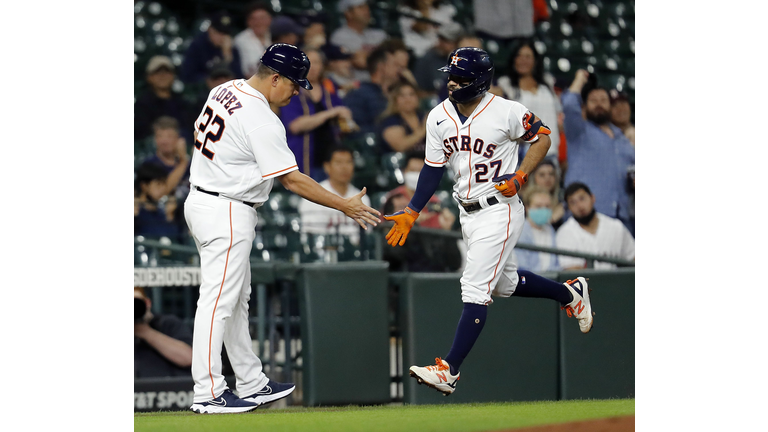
[{"x": 376, "y": 84}]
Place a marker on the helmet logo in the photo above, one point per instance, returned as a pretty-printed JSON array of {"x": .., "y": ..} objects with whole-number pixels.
[{"x": 455, "y": 60}]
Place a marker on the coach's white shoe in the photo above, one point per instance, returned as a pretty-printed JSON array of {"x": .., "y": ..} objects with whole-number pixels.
[
  {"x": 580, "y": 306},
  {"x": 226, "y": 403},
  {"x": 437, "y": 376}
]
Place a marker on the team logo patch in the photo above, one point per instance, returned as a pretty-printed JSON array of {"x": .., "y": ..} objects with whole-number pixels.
[
  {"x": 528, "y": 119},
  {"x": 455, "y": 60}
]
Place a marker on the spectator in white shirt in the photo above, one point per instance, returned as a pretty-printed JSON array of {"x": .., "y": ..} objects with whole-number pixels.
[
  {"x": 356, "y": 35},
  {"x": 588, "y": 231},
  {"x": 254, "y": 40},
  {"x": 316, "y": 219}
]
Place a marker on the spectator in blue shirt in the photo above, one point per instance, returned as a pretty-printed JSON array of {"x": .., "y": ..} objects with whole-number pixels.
[
  {"x": 599, "y": 155},
  {"x": 209, "y": 48},
  {"x": 370, "y": 100}
]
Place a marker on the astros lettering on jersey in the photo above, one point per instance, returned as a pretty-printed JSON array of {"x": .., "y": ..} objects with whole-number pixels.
[{"x": 483, "y": 147}]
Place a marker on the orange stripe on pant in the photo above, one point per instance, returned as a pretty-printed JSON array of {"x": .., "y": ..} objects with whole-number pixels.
[
  {"x": 502, "y": 249},
  {"x": 226, "y": 263}
]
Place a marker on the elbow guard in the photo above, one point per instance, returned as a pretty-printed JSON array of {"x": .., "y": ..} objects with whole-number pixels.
[{"x": 533, "y": 127}]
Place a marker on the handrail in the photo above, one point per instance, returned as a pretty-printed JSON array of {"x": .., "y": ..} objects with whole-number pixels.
[{"x": 591, "y": 258}]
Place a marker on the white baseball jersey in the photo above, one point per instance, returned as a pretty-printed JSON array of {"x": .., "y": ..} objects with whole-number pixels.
[
  {"x": 484, "y": 147},
  {"x": 241, "y": 142}
]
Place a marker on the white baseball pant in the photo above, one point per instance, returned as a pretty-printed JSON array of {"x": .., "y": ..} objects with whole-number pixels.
[
  {"x": 490, "y": 235},
  {"x": 223, "y": 231}
]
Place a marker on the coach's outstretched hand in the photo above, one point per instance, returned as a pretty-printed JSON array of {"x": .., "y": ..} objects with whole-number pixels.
[
  {"x": 360, "y": 212},
  {"x": 404, "y": 221}
]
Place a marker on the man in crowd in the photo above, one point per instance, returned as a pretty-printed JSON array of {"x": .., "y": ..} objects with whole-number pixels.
[
  {"x": 211, "y": 47},
  {"x": 162, "y": 343},
  {"x": 318, "y": 219},
  {"x": 159, "y": 100},
  {"x": 599, "y": 155},
  {"x": 370, "y": 100},
  {"x": 356, "y": 35},
  {"x": 591, "y": 232},
  {"x": 251, "y": 42}
]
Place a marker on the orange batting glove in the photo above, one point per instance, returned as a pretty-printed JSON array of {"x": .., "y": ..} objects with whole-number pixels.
[
  {"x": 404, "y": 221},
  {"x": 510, "y": 184}
]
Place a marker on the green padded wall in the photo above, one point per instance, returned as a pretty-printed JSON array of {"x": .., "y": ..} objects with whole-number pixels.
[
  {"x": 344, "y": 333},
  {"x": 601, "y": 363},
  {"x": 515, "y": 357}
]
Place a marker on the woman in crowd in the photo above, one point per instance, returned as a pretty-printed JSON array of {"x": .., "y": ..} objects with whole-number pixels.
[
  {"x": 402, "y": 125},
  {"x": 546, "y": 176},
  {"x": 525, "y": 83},
  {"x": 538, "y": 231}
]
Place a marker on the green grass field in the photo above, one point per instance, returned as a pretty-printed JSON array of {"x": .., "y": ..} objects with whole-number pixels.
[{"x": 449, "y": 417}]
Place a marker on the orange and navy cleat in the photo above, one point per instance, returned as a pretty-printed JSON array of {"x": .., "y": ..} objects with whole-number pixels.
[
  {"x": 437, "y": 376},
  {"x": 580, "y": 307}
]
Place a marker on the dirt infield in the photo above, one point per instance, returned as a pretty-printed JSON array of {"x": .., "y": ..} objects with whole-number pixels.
[{"x": 613, "y": 424}]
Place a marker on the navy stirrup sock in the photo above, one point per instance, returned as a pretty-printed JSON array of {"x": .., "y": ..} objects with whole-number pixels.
[
  {"x": 470, "y": 325},
  {"x": 533, "y": 285}
]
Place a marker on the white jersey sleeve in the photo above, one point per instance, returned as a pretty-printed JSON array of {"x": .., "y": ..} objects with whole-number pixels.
[
  {"x": 517, "y": 114},
  {"x": 434, "y": 153},
  {"x": 271, "y": 151}
]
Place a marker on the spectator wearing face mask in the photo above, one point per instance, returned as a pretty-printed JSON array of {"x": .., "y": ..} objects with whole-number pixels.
[
  {"x": 538, "y": 231},
  {"x": 434, "y": 215}
]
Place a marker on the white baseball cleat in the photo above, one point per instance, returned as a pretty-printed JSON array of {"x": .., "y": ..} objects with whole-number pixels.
[
  {"x": 437, "y": 376},
  {"x": 580, "y": 306}
]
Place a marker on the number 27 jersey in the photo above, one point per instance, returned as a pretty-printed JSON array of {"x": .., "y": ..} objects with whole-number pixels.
[{"x": 483, "y": 147}]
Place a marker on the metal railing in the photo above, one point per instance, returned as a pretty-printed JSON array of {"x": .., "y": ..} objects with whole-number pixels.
[{"x": 590, "y": 258}]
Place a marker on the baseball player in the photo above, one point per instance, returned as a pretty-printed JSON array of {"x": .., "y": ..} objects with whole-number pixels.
[
  {"x": 478, "y": 134},
  {"x": 240, "y": 149}
]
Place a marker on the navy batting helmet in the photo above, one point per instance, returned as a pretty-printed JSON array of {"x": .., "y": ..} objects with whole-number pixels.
[
  {"x": 470, "y": 63},
  {"x": 288, "y": 61}
]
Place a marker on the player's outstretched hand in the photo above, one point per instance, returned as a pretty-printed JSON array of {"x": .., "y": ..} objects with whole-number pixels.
[
  {"x": 404, "y": 221},
  {"x": 510, "y": 184},
  {"x": 360, "y": 212}
]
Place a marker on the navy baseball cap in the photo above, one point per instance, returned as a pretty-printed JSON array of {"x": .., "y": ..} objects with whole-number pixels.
[
  {"x": 336, "y": 52},
  {"x": 222, "y": 22},
  {"x": 283, "y": 25}
]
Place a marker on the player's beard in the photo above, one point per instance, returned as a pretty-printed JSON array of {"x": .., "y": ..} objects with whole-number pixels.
[
  {"x": 599, "y": 118},
  {"x": 585, "y": 220}
]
